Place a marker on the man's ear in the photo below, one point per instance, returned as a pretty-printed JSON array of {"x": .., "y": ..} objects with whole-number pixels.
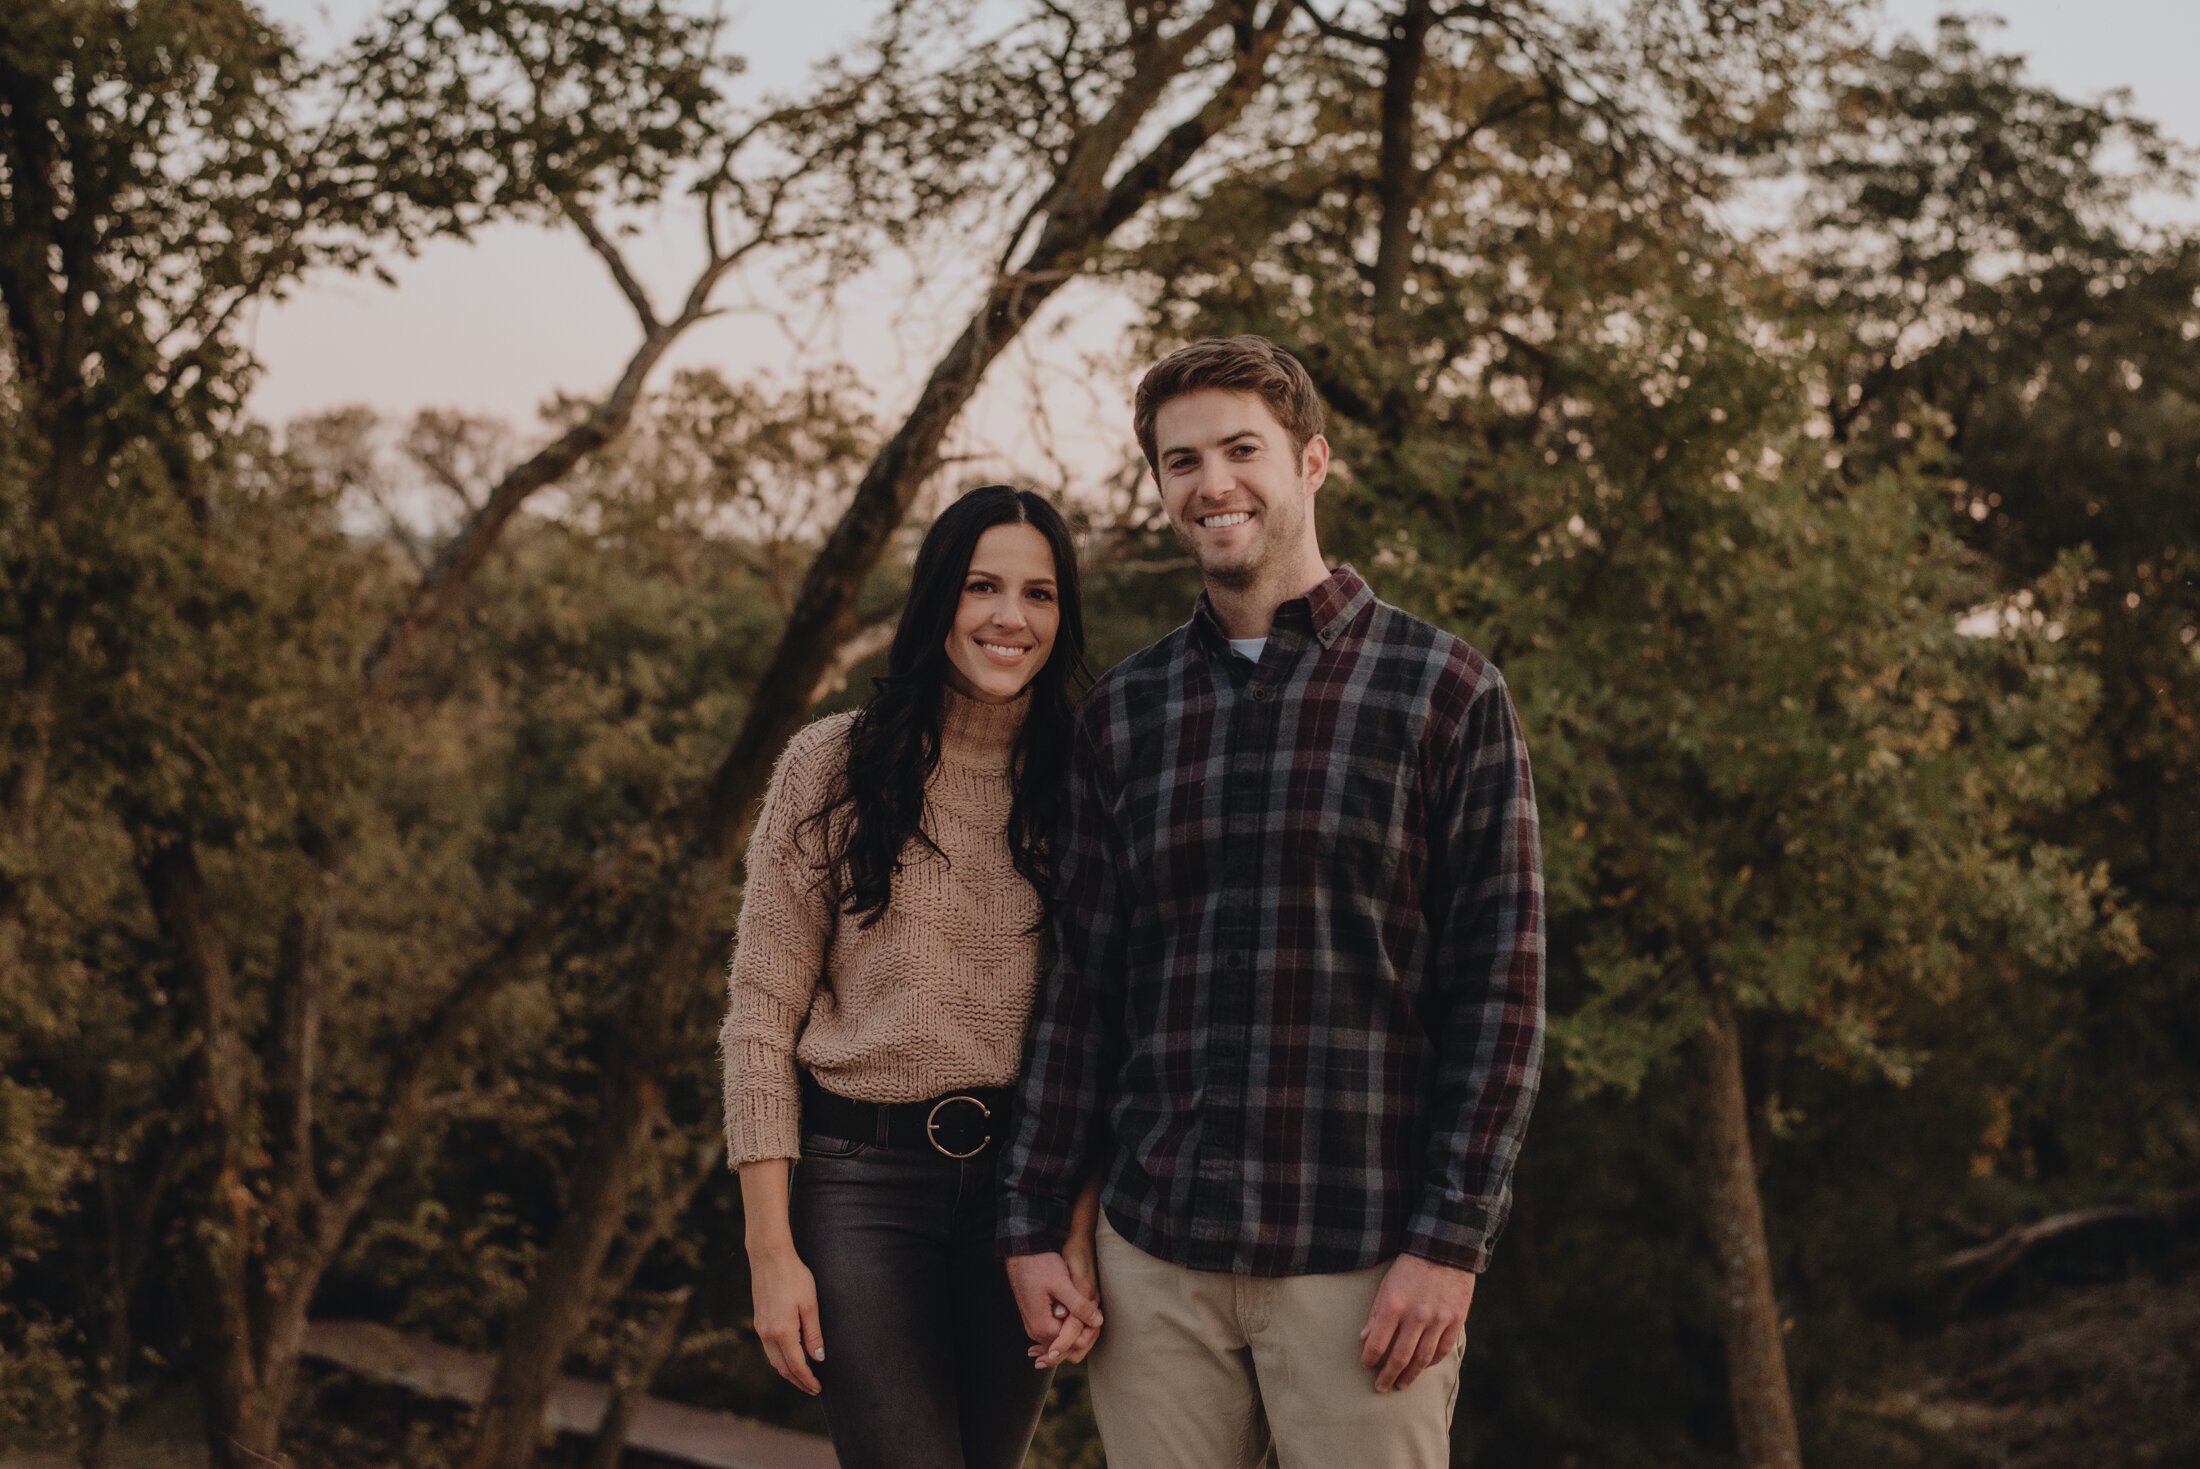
[{"x": 1314, "y": 463}]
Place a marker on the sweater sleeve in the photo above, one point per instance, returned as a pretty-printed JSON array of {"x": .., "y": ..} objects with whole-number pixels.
[{"x": 779, "y": 952}]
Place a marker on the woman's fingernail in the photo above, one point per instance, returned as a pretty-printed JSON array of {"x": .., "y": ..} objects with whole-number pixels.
[{"x": 817, "y": 1353}]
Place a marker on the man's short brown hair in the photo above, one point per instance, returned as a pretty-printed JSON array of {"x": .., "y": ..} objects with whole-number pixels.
[{"x": 1246, "y": 364}]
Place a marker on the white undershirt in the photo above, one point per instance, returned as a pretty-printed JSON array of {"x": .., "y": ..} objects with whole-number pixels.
[{"x": 1249, "y": 647}]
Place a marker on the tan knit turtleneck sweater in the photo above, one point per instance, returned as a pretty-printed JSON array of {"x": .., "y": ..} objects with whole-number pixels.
[{"x": 931, "y": 997}]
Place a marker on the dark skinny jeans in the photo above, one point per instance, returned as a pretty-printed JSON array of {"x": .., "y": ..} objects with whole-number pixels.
[{"x": 925, "y": 1364}]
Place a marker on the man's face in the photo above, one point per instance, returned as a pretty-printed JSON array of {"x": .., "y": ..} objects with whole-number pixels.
[{"x": 1238, "y": 495}]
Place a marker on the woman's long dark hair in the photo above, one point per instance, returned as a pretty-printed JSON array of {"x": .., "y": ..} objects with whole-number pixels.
[{"x": 895, "y": 741}]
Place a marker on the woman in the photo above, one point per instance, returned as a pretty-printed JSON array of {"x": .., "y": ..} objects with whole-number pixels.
[{"x": 889, "y": 946}]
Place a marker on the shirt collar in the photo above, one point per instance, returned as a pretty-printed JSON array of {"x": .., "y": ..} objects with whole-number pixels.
[{"x": 1323, "y": 613}]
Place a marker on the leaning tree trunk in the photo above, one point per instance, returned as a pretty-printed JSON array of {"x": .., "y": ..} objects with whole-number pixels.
[
  {"x": 1748, "y": 1313},
  {"x": 672, "y": 962}
]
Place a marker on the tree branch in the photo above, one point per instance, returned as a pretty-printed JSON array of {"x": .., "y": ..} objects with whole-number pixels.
[
  {"x": 1337, "y": 30},
  {"x": 301, "y": 965},
  {"x": 2004, "y": 1253},
  {"x": 465, "y": 553},
  {"x": 614, "y": 260}
]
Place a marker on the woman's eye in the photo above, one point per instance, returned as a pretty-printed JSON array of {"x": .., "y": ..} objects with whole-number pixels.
[
  {"x": 1042, "y": 595},
  {"x": 980, "y": 587}
]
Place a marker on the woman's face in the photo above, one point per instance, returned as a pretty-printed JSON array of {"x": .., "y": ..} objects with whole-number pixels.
[{"x": 1004, "y": 626}]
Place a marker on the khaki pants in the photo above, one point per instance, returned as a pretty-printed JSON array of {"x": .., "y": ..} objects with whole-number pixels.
[{"x": 1198, "y": 1370}]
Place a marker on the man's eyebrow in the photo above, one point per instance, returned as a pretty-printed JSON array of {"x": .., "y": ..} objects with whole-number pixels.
[{"x": 1222, "y": 443}]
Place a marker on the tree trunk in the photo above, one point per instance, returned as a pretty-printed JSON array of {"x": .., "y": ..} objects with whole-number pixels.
[
  {"x": 241, "y": 1422},
  {"x": 675, "y": 957},
  {"x": 1398, "y": 177},
  {"x": 632, "y": 1387},
  {"x": 562, "y": 1295},
  {"x": 1747, "y": 1311}
]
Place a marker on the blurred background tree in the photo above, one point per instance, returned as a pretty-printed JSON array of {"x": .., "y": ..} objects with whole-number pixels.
[{"x": 1806, "y": 424}]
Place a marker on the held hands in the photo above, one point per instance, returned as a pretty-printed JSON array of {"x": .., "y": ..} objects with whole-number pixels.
[
  {"x": 1418, "y": 1317},
  {"x": 1060, "y": 1317},
  {"x": 786, "y": 1314},
  {"x": 1084, "y": 1274}
]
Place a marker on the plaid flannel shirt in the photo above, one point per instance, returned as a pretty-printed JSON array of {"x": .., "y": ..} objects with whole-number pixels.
[{"x": 1295, "y": 1007}]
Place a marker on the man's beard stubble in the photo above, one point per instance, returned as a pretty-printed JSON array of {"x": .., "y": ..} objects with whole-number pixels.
[{"x": 1275, "y": 545}]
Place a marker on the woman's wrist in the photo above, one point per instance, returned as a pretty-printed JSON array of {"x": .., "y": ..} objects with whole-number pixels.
[
  {"x": 767, "y": 1235},
  {"x": 770, "y": 1246}
]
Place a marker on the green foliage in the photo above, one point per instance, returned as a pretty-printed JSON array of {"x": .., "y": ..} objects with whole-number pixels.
[
  {"x": 1845, "y": 580},
  {"x": 1803, "y": 739},
  {"x": 482, "y": 108},
  {"x": 2053, "y": 363}
]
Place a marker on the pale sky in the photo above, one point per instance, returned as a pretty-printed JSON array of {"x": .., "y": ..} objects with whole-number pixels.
[{"x": 499, "y": 324}]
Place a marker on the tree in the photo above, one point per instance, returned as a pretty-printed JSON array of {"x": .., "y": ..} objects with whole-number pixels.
[
  {"x": 166, "y": 166},
  {"x": 2041, "y": 339},
  {"x": 1110, "y": 153},
  {"x": 448, "y": 115},
  {"x": 1567, "y": 429},
  {"x": 155, "y": 180}
]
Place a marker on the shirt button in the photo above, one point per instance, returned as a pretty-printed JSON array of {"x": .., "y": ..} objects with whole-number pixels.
[
  {"x": 1259, "y": 693},
  {"x": 1235, "y": 959}
]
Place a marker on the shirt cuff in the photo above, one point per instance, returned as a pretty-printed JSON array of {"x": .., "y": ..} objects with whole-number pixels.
[
  {"x": 1456, "y": 1231},
  {"x": 1031, "y": 1226}
]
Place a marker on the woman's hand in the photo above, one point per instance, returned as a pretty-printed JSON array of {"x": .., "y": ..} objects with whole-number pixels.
[
  {"x": 1076, "y": 1338},
  {"x": 1056, "y": 1313},
  {"x": 780, "y": 1285},
  {"x": 1084, "y": 1273},
  {"x": 785, "y": 1294}
]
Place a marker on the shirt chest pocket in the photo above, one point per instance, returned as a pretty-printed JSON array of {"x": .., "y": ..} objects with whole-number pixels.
[
  {"x": 1368, "y": 829},
  {"x": 1346, "y": 827}
]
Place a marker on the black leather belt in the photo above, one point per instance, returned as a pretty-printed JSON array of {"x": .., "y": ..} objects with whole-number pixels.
[{"x": 961, "y": 1124}]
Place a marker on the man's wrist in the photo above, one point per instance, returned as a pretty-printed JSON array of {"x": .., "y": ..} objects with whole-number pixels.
[
  {"x": 1453, "y": 1229},
  {"x": 1474, "y": 1264},
  {"x": 1031, "y": 1227}
]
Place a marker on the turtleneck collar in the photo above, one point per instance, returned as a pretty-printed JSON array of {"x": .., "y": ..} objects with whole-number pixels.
[{"x": 977, "y": 734}]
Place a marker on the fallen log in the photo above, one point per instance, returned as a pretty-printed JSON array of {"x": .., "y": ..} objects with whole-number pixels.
[{"x": 1981, "y": 1266}]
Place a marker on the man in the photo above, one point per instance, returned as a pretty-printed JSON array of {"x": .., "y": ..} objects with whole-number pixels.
[{"x": 1295, "y": 1016}]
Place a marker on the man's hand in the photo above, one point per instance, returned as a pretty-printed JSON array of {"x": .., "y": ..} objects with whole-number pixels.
[
  {"x": 1058, "y": 1317},
  {"x": 1419, "y": 1314},
  {"x": 1084, "y": 1276}
]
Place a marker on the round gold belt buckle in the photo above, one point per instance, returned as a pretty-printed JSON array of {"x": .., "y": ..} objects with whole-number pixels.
[{"x": 932, "y": 1128}]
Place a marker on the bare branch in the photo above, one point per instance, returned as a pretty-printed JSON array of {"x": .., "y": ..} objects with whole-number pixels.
[
  {"x": 703, "y": 1164},
  {"x": 301, "y": 965},
  {"x": 2002, "y": 1254},
  {"x": 614, "y": 260},
  {"x": 455, "y": 566},
  {"x": 866, "y": 642},
  {"x": 1336, "y": 30}
]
